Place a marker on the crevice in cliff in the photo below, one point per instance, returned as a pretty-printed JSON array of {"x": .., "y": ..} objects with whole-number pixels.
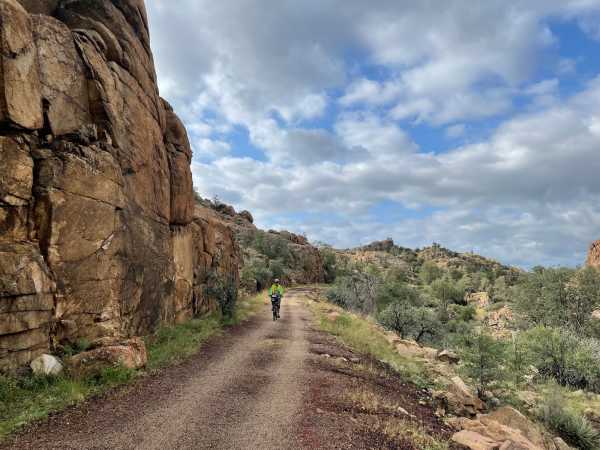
[{"x": 40, "y": 217}]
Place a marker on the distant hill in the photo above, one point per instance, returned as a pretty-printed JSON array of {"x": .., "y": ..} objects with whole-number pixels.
[{"x": 386, "y": 254}]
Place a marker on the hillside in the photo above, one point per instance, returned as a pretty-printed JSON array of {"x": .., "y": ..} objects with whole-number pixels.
[
  {"x": 387, "y": 255},
  {"x": 266, "y": 255}
]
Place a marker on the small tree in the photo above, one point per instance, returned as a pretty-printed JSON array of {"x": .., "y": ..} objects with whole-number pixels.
[
  {"x": 430, "y": 272},
  {"x": 426, "y": 324},
  {"x": 329, "y": 263},
  {"x": 399, "y": 318},
  {"x": 583, "y": 297},
  {"x": 482, "y": 358},
  {"x": 447, "y": 293}
]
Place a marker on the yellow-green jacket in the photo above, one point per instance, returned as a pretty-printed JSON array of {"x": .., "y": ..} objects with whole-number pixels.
[{"x": 276, "y": 288}]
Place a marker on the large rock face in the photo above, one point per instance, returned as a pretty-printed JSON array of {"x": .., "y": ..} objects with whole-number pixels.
[
  {"x": 98, "y": 234},
  {"x": 593, "y": 259}
]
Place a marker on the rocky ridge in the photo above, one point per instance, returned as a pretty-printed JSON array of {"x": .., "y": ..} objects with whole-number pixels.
[
  {"x": 387, "y": 254},
  {"x": 305, "y": 263},
  {"x": 99, "y": 233}
]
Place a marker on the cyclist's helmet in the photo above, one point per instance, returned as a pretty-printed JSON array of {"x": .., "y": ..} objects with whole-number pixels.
[{"x": 277, "y": 280}]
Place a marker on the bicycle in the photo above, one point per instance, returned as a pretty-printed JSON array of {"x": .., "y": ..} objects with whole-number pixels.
[{"x": 275, "y": 305}]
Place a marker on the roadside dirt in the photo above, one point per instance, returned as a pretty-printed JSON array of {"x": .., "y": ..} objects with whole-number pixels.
[{"x": 263, "y": 385}]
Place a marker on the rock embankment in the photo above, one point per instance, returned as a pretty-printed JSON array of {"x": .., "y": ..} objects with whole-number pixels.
[{"x": 99, "y": 234}]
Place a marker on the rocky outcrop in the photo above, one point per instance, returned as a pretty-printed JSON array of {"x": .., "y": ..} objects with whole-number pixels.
[
  {"x": 479, "y": 299},
  {"x": 98, "y": 233},
  {"x": 379, "y": 246},
  {"x": 593, "y": 259},
  {"x": 305, "y": 263},
  {"x": 504, "y": 428}
]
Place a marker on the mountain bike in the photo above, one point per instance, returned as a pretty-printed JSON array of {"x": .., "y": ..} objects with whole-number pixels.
[{"x": 275, "y": 305}]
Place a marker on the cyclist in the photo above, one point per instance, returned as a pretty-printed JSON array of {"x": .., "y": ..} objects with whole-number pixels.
[{"x": 276, "y": 290}]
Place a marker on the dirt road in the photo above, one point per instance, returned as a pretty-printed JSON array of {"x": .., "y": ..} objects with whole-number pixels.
[{"x": 262, "y": 385}]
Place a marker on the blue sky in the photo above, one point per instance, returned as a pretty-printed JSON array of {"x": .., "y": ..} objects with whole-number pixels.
[{"x": 475, "y": 125}]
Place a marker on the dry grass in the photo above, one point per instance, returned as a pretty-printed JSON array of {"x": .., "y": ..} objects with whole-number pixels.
[
  {"x": 389, "y": 421},
  {"x": 362, "y": 336}
]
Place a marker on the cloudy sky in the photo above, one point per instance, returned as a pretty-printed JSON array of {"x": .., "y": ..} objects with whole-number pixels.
[{"x": 473, "y": 124}]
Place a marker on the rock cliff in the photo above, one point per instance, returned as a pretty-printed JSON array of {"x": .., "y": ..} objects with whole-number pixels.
[
  {"x": 593, "y": 258},
  {"x": 99, "y": 233}
]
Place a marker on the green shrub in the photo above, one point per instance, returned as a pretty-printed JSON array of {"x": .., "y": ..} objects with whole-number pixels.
[
  {"x": 572, "y": 427},
  {"x": 329, "y": 264},
  {"x": 224, "y": 291},
  {"x": 564, "y": 356},
  {"x": 542, "y": 296},
  {"x": 430, "y": 272},
  {"x": 394, "y": 291},
  {"x": 356, "y": 291},
  {"x": 482, "y": 357},
  {"x": 277, "y": 269},
  {"x": 272, "y": 246}
]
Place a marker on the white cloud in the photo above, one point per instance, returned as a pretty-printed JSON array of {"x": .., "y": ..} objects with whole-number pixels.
[
  {"x": 205, "y": 147},
  {"x": 456, "y": 131},
  {"x": 322, "y": 87}
]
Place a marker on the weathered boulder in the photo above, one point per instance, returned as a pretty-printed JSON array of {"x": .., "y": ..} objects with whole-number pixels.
[
  {"x": 410, "y": 348},
  {"x": 46, "y": 365},
  {"x": 448, "y": 356},
  {"x": 505, "y": 428},
  {"x": 474, "y": 441},
  {"x": 247, "y": 216},
  {"x": 480, "y": 299},
  {"x": 499, "y": 321},
  {"x": 559, "y": 444},
  {"x": 458, "y": 399},
  {"x": 130, "y": 353}
]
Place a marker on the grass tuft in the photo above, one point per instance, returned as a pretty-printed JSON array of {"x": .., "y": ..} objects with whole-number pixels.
[{"x": 569, "y": 425}]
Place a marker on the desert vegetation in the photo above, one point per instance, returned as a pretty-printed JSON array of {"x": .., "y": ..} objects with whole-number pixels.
[{"x": 515, "y": 331}]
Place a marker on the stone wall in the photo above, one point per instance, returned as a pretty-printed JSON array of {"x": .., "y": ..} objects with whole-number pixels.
[{"x": 98, "y": 233}]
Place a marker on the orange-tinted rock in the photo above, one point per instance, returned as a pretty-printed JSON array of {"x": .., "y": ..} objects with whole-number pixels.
[
  {"x": 98, "y": 237},
  {"x": 593, "y": 258},
  {"x": 130, "y": 353},
  {"x": 20, "y": 94}
]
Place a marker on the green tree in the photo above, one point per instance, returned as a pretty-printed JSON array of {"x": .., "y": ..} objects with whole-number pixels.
[
  {"x": 482, "y": 357},
  {"x": 399, "y": 318},
  {"x": 329, "y": 263},
  {"x": 542, "y": 296},
  {"x": 583, "y": 297},
  {"x": 446, "y": 292},
  {"x": 391, "y": 292},
  {"x": 430, "y": 272}
]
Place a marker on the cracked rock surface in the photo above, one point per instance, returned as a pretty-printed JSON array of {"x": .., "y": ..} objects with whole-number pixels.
[{"x": 99, "y": 234}]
